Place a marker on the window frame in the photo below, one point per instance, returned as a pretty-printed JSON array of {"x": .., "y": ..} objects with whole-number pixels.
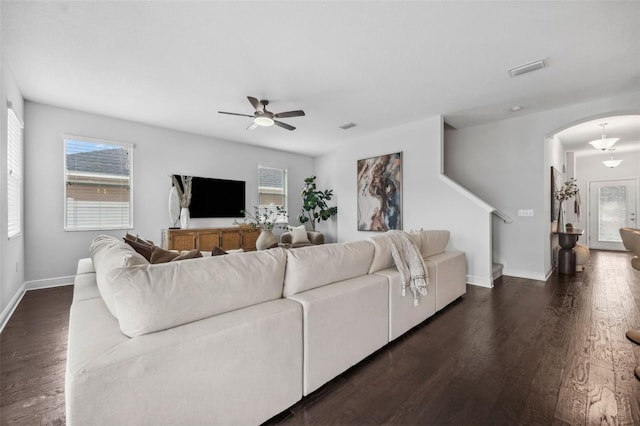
[
  {"x": 264, "y": 208},
  {"x": 97, "y": 227},
  {"x": 15, "y": 151}
]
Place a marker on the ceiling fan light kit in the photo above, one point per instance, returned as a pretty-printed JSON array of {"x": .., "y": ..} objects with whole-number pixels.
[
  {"x": 264, "y": 121},
  {"x": 264, "y": 118}
]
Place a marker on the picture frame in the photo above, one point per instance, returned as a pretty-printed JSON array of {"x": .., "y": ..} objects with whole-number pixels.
[{"x": 379, "y": 193}]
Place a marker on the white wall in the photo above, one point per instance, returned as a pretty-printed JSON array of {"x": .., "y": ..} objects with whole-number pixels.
[
  {"x": 52, "y": 253},
  {"x": 11, "y": 251},
  {"x": 507, "y": 164},
  {"x": 429, "y": 202}
]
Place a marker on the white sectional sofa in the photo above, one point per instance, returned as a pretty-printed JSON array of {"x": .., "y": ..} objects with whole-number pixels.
[{"x": 235, "y": 339}]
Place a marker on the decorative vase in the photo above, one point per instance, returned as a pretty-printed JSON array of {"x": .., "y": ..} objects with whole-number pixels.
[
  {"x": 185, "y": 217},
  {"x": 561, "y": 225},
  {"x": 266, "y": 240}
]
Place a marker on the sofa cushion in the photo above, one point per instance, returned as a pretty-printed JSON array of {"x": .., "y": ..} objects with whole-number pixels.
[
  {"x": 108, "y": 253},
  {"x": 433, "y": 242},
  {"x": 157, "y": 297},
  {"x": 382, "y": 257},
  {"x": 315, "y": 266}
]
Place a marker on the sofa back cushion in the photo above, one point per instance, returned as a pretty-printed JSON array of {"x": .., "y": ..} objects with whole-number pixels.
[
  {"x": 433, "y": 242},
  {"x": 315, "y": 266},
  {"x": 108, "y": 253},
  {"x": 430, "y": 243},
  {"x": 382, "y": 258},
  {"x": 157, "y": 297}
]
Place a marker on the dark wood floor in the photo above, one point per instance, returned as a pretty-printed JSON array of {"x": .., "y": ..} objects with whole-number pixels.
[
  {"x": 525, "y": 352},
  {"x": 33, "y": 353}
]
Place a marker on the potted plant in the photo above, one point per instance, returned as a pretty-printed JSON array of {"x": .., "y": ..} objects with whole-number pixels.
[
  {"x": 183, "y": 188},
  {"x": 568, "y": 190},
  {"x": 314, "y": 207},
  {"x": 266, "y": 220}
]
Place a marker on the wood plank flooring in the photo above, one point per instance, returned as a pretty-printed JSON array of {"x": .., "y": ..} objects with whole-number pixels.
[
  {"x": 525, "y": 352},
  {"x": 33, "y": 353}
]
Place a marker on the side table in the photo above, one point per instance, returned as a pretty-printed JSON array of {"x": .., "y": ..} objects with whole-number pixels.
[{"x": 566, "y": 255}]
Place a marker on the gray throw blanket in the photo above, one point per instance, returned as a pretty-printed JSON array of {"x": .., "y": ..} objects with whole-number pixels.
[{"x": 410, "y": 264}]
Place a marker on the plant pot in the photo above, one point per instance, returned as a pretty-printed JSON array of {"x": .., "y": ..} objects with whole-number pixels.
[
  {"x": 185, "y": 218},
  {"x": 266, "y": 240},
  {"x": 560, "y": 227}
]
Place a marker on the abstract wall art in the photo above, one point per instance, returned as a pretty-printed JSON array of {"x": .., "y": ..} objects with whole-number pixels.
[{"x": 380, "y": 193}]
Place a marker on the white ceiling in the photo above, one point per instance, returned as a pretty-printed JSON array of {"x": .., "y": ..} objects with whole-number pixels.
[
  {"x": 625, "y": 127},
  {"x": 379, "y": 64}
]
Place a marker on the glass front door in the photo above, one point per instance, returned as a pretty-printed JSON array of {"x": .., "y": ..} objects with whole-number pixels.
[{"x": 612, "y": 205}]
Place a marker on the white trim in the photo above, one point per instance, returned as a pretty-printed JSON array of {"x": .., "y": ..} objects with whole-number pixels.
[
  {"x": 518, "y": 273},
  {"x": 98, "y": 141},
  {"x": 11, "y": 307},
  {"x": 130, "y": 150},
  {"x": 49, "y": 282},
  {"x": 587, "y": 230},
  {"x": 479, "y": 281}
]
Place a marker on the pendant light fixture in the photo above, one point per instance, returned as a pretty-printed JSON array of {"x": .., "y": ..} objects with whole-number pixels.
[
  {"x": 611, "y": 162},
  {"x": 605, "y": 143}
]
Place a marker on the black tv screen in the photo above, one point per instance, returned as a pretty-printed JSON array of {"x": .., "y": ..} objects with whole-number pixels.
[{"x": 216, "y": 197}]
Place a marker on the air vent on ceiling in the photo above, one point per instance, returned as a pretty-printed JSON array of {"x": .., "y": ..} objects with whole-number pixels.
[
  {"x": 348, "y": 126},
  {"x": 523, "y": 69}
]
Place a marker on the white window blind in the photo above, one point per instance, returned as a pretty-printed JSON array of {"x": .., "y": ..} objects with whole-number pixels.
[
  {"x": 272, "y": 189},
  {"x": 98, "y": 184},
  {"x": 14, "y": 173}
]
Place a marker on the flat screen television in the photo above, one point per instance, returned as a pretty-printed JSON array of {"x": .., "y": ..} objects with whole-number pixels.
[{"x": 216, "y": 197}]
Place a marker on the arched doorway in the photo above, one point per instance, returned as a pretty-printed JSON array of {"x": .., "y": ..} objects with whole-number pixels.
[{"x": 609, "y": 192}]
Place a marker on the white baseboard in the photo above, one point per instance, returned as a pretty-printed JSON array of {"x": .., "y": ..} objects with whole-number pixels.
[
  {"x": 26, "y": 286},
  {"x": 479, "y": 281},
  {"x": 11, "y": 307},
  {"x": 524, "y": 274},
  {"x": 49, "y": 282}
]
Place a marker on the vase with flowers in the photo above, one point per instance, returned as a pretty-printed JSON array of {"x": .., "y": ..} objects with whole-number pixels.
[
  {"x": 266, "y": 219},
  {"x": 183, "y": 187},
  {"x": 568, "y": 190}
]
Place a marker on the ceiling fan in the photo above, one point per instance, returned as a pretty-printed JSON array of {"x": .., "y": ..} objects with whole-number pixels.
[{"x": 265, "y": 118}]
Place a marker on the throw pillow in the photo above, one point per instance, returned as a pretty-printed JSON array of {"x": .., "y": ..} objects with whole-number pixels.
[
  {"x": 217, "y": 251},
  {"x": 298, "y": 234},
  {"x": 159, "y": 255},
  {"x": 142, "y": 247},
  {"x": 191, "y": 254}
]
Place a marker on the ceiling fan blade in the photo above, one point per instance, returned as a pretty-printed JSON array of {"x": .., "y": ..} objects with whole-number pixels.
[
  {"x": 253, "y": 126},
  {"x": 256, "y": 103},
  {"x": 235, "y": 113},
  {"x": 283, "y": 125},
  {"x": 298, "y": 113}
]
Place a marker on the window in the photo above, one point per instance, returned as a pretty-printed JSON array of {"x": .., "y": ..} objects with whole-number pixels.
[
  {"x": 98, "y": 184},
  {"x": 272, "y": 190},
  {"x": 14, "y": 173}
]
